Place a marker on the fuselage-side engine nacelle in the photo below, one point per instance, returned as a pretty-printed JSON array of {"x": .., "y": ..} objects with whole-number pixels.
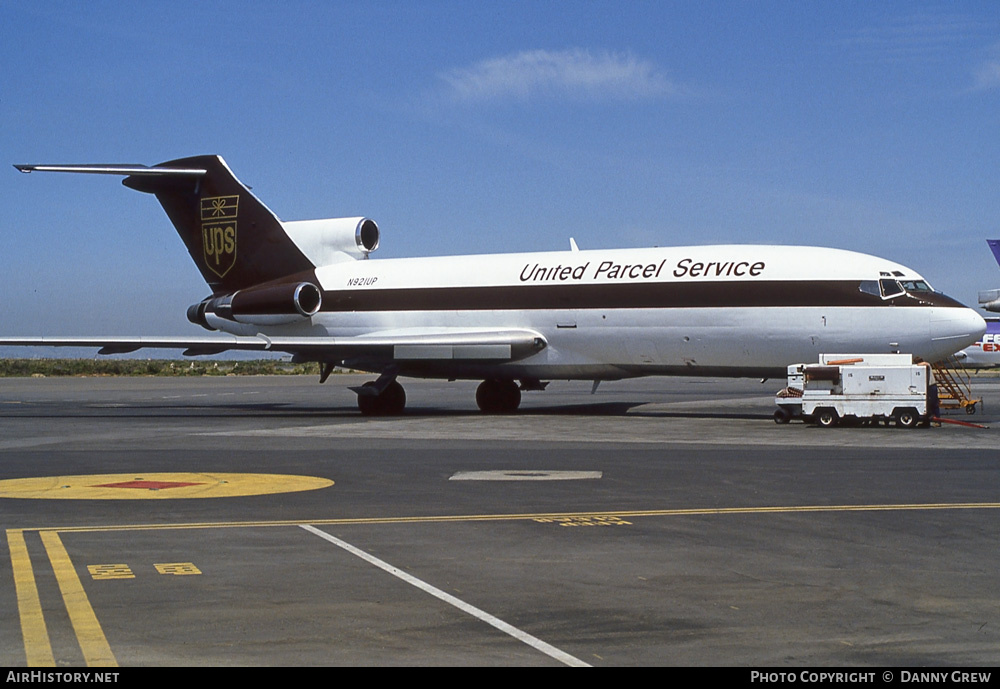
[{"x": 264, "y": 305}]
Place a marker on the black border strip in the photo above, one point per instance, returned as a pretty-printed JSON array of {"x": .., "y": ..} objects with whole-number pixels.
[{"x": 657, "y": 295}]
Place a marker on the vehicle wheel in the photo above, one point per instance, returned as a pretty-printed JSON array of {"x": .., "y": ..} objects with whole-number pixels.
[
  {"x": 827, "y": 418},
  {"x": 782, "y": 416},
  {"x": 907, "y": 418},
  {"x": 971, "y": 409},
  {"x": 498, "y": 396}
]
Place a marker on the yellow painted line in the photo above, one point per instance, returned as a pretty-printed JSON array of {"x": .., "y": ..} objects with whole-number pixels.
[
  {"x": 621, "y": 514},
  {"x": 37, "y": 647},
  {"x": 156, "y": 486},
  {"x": 93, "y": 643}
]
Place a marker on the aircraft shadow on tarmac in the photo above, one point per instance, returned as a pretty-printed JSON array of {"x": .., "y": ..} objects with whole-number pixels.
[{"x": 291, "y": 410}]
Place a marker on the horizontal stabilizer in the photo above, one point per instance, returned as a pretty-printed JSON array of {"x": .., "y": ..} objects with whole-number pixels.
[
  {"x": 233, "y": 238},
  {"x": 130, "y": 170}
]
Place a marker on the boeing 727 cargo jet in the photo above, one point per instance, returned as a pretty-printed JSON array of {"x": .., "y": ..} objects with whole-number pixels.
[{"x": 516, "y": 321}]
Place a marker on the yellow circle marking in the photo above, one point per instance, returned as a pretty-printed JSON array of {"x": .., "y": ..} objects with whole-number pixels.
[{"x": 156, "y": 486}]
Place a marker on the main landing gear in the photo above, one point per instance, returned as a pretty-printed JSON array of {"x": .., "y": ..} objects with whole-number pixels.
[
  {"x": 498, "y": 396},
  {"x": 386, "y": 397},
  {"x": 382, "y": 397},
  {"x": 390, "y": 402}
]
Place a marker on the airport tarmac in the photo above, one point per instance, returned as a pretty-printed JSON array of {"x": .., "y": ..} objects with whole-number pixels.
[{"x": 262, "y": 521}]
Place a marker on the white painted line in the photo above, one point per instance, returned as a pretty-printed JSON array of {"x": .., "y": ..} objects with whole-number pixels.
[
  {"x": 524, "y": 475},
  {"x": 33, "y": 442},
  {"x": 489, "y": 619}
]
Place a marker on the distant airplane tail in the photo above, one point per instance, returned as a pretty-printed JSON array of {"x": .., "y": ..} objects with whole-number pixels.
[
  {"x": 234, "y": 239},
  {"x": 990, "y": 299},
  {"x": 995, "y": 248}
]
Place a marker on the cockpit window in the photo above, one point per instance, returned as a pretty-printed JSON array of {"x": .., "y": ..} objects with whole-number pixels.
[
  {"x": 870, "y": 287},
  {"x": 890, "y": 288},
  {"x": 886, "y": 288},
  {"x": 916, "y": 286}
]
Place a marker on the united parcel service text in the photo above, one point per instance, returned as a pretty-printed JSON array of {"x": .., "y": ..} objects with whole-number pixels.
[{"x": 610, "y": 270}]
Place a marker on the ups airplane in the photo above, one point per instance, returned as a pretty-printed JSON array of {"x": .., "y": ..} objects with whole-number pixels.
[{"x": 517, "y": 321}]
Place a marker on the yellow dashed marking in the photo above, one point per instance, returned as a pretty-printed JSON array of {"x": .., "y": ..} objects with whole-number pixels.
[
  {"x": 177, "y": 568},
  {"x": 584, "y": 520},
  {"x": 110, "y": 572},
  {"x": 156, "y": 486}
]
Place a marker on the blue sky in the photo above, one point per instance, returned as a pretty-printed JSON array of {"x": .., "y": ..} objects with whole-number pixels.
[{"x": 479, "y": 127}]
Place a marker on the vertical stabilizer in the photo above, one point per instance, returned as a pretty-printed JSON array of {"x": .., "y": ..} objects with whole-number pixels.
[
  {"x": 234, "y": 239},
  {"x": 995, "y": 248}
]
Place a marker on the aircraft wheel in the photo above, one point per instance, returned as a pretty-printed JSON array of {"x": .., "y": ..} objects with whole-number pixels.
[
  {"x": 391, "y": 402},
  {"x": 498, "y": 396},
  {"x": 393, "y": 399},
  {"x": 368, "y": 404}
]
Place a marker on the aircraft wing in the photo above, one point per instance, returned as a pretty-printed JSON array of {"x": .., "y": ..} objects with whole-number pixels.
[{"x": 401, "y": 345}]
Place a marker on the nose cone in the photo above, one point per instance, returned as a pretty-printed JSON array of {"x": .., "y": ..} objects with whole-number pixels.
[{"x": 954, "y": 329}]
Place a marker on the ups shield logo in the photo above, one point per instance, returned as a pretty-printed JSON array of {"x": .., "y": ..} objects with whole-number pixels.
[{"x": 218, "y": 232}]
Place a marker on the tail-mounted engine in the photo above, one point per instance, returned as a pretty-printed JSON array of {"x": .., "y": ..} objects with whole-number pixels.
[
  {"x": 265, "y": 305},
  {"x": 990, "y": 300},
  {"x": 333, "y": 240}
]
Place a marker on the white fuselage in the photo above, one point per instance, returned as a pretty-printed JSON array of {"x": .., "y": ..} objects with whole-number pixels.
[
  {"x": 986, "y": 352},
  {"x": 736, "y": 310}
]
